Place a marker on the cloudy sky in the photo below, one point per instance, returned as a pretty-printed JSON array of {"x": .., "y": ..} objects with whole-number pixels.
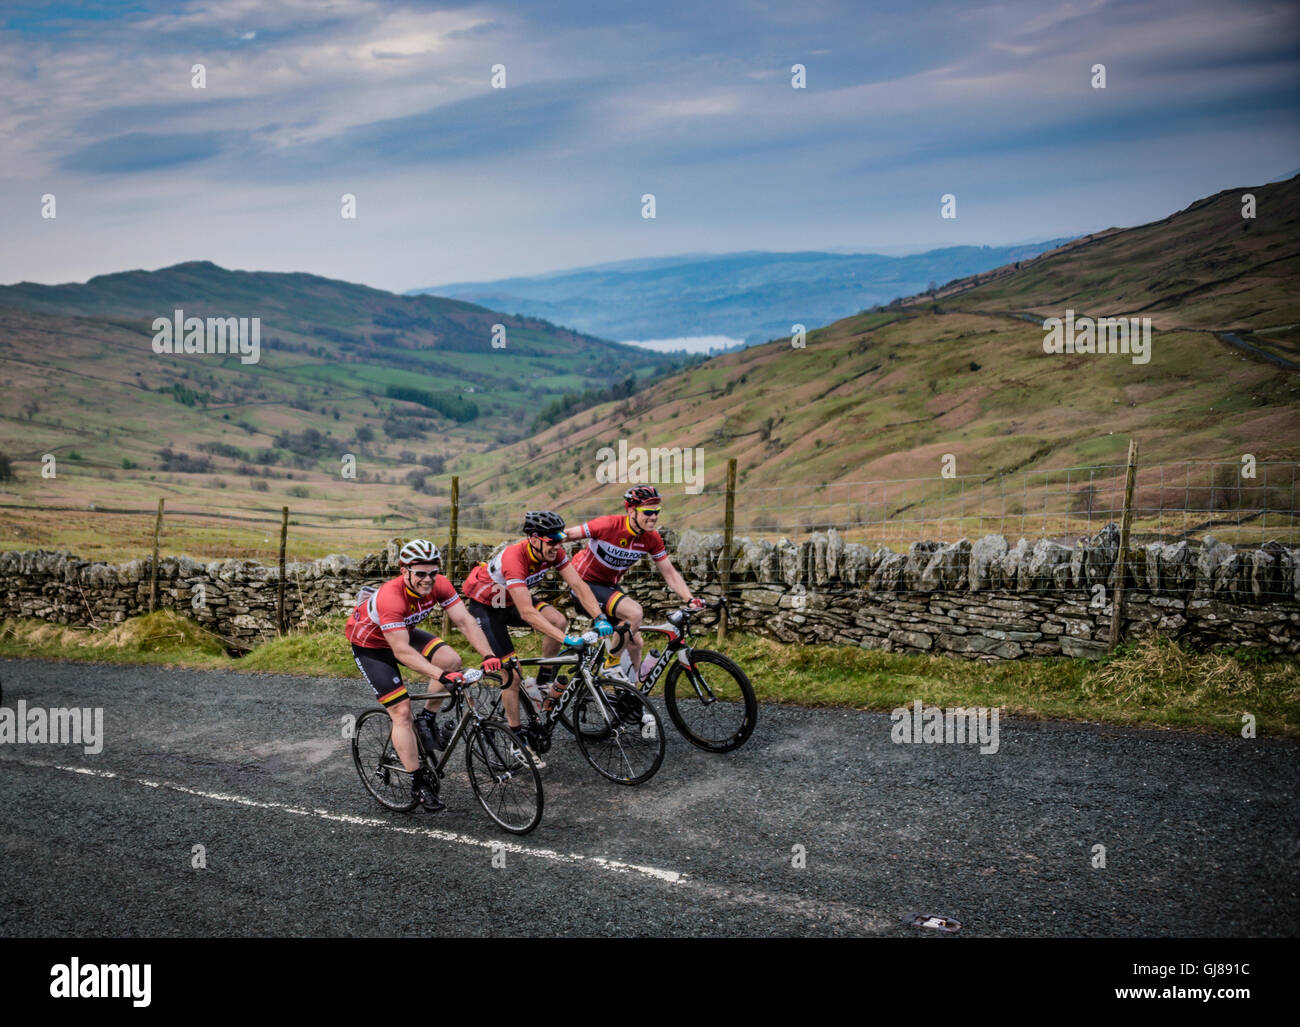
[{"x": 455, "y": 180}]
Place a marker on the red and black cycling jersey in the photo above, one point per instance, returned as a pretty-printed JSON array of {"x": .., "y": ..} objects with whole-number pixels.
[
  {"x": 514, "y": 567},
  {"x": 393, "y": 605},
  {"x": 614, "y": 548}
]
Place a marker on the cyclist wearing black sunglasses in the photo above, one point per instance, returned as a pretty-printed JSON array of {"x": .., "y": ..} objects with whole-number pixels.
[
  {"x": 384, "y": 638},
  {"x": 498, "y": 596}
]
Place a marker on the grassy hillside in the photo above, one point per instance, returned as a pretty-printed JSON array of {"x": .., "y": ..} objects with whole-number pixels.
[
  {"x": 887, "y": 394},
  {"x": 228, "y": 443}
]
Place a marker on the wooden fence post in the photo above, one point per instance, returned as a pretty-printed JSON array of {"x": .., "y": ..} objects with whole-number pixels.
[
  {"x": 450, "y": 561},
  {"x": 153, "y": 572},
  {"x": 279, "y": 591},
  {"x": 1117, "y": 612},
  {"x": 728, "y": 529}
]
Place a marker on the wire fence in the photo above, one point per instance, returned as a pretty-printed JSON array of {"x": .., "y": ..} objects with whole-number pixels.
[
  {"x": 1238, "y": 504},
  {"x": 1242, "y": 505}
]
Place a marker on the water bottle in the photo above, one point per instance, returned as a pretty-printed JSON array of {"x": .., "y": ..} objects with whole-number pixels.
[
  {"x": 648, "y": 663},
  {"x": 530, "y": 686}
]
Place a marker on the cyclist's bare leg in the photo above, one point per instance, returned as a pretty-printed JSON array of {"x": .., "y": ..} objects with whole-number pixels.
[
  {"x": 445, "y": 658},
  {"x": 404, "y": 735},
  {"x": 551, "y": 646},
  {"x": 510, "y": 696},
  {"x": 628, "y": 609}
]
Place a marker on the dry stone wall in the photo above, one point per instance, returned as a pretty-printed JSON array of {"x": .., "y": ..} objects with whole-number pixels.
[{"x": 984, "y": 599}]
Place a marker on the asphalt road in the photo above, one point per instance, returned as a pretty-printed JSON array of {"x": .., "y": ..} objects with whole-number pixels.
[{"x": 1201, "y": 834}]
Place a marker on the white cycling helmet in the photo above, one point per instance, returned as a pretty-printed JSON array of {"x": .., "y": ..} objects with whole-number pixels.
[{"x": 418, "y": 550}]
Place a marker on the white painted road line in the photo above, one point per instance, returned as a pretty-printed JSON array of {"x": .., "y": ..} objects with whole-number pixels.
[
  {"x": 669, "y": 876},
  {"x": 858, "y": 919}
]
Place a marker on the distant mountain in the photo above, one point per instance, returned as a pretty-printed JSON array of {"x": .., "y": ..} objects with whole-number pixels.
[{"x": 753, "y": 296}]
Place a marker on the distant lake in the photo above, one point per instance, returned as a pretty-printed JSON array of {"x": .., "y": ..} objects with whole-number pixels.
[{"x": 689, "y": 343}]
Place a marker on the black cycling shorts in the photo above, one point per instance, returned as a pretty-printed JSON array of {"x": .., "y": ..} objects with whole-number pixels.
[
  {"x": 496, "y": 623},
  {"x": 380, "y": 666},
  {"x": 609, "y": 596}
]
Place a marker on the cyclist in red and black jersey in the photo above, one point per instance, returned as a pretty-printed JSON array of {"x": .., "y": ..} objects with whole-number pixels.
[
  {"x": 383, "y": 635},
  {"x": 615, "y": 543},
  {"x": 498, "y": 598}
]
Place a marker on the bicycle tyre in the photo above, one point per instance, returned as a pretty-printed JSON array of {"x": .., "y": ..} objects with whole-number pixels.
[
  {"x": 377, "y": 763},
  {"x": 629, "y": 710},
  {"x": 621, "y": 752},
  {"x": 735, "y": 718},
  {"x": 503, "y": 776}
]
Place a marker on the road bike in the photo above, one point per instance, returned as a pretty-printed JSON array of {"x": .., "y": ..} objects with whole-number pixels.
[
  {"x": 501, "y": 772},
  {"x": 708, "y": 697},
  {"x": 617, "y": 730}
]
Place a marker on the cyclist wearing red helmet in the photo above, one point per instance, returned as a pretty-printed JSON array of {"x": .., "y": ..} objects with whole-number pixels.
[
  {"x": 383, "y": 635},
  {"x": 614, "y": 544}
]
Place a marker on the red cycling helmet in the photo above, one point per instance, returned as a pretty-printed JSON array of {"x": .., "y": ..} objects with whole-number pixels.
[{"x": 640, "y": 495}]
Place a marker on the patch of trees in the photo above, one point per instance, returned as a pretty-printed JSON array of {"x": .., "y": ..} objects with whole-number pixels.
[
  {"x": 223, "y": 449},
  {"x": 452, "y": 407},
  {"x": 183, "y": 463},
  {"x": 184, "y": 395},
  {"x": 404, "y": 428},
  {"x": 306, "y": 443},
  {"x": 570, "y": 403}
]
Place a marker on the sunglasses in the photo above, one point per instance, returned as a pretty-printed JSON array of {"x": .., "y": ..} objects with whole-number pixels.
[
  {"x": 421, "y": 575},
  {"x": 648, "y": 511}
]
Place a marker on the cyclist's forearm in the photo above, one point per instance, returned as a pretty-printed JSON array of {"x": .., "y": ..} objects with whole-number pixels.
[
  {"x": 588, "y": 600},
  {"x": 538, "y": 622},
  {"x": 468, "y": 627},
  {"x": 674, "y": 580},
  {"x": 409, "y": 656}
]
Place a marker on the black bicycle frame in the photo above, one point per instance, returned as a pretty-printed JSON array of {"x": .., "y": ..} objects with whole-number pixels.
[{"x": 469, "y": 714}]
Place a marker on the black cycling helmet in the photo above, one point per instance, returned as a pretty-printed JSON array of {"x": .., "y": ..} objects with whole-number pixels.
[
  {"x": 640, "y": 495},
  {"x": 546, "y": 523}
]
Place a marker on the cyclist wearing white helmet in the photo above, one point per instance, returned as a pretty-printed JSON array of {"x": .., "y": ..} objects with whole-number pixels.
[{"x": 383, "y": 635}]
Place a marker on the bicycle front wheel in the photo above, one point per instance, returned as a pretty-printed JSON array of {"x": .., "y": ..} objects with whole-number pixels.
[
  {"x": 712, "y": 702},
  {"x": 619, "y": 733},
  {"x": 377, "y": 763},
  {"x": 504, "y": 778}
]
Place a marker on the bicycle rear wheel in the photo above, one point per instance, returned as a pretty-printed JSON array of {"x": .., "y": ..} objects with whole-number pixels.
[
  {"x": 712, "y": 703},
  {"x": 377, "y": 763},
  {"x": 504, "y": 778},
  {"x": 619, "y": 733}
]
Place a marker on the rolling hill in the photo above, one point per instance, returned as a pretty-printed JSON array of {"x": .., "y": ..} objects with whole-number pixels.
[
  {"x": 399, "y": 383},
  {"x": 885, "y": 395},
  {"x": 754, "y": 296}
]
